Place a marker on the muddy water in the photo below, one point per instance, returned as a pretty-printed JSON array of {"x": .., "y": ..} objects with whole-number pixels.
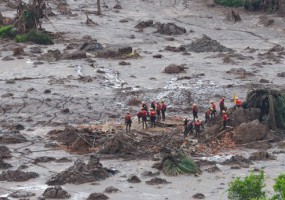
[{"x": 94, "y": 102}]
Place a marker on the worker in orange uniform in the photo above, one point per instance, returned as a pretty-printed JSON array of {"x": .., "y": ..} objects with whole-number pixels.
[
  {"x": 213, "y": 110},
  {"x": 128, "y": 122},
  {"x": 238, "y": 103},
  {"x": 152, "y": 117}
]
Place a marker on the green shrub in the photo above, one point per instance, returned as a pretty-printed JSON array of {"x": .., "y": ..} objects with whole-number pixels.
[
  {"x": 35, "y": 37},
  {"x": 230, "y": 3},
  {"x": 249, "y": 188},
  {"x": 7, "y": 31},
  {"x": 279, "y": 188}
]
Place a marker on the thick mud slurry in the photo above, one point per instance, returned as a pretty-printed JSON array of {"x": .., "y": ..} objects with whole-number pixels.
[{"x": 39, "y": 93}]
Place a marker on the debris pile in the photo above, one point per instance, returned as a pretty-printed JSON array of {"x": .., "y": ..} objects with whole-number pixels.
[
  {"x": 4, "y": 165},
  {"x": 56, "y": 192},
  {"x": 97, "y": 196},
  {"x": 170, "y": 29},
  {"x": 17, "y": 175},
  {"x": 81, "y": 173},
  {"x": 157, "y": 181},
  {"x": 175, "y": 69},
  {"x": 206, "y": 44},
  {"x": 12, "y": 138},
  {"x": 5, "y": 152}
]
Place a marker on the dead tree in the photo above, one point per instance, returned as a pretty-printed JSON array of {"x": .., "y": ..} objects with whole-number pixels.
[{"x": 98, "y": 7}]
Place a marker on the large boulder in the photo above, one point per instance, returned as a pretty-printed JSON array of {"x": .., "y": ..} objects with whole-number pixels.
[
  {"x": 114, "y": 51},
  {"x": 241, "y": 115},
  {"x": 56, "y": 192},
  {"x": 250, "y": 132}
]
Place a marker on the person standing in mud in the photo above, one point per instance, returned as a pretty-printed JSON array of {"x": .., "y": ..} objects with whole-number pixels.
[
  {"x": 213, "y": 110},
  {"x": 195, "y": 111},
  {"x": 225, "y": 118},
  {"x": 197, "y": 125},
  {"x": 139, "y": 115},
  {"x": 128, "y": 122},
  {"x": 144, "y": 106},
  {"x": 144, "y": 118},
  {"x": 152, "y": 105},
  {"x": 152, "y": 117},
  {"x": 158, "y": 109},
  {"x": 207, "y": 116},
  {"x": 163, "y": 110}
]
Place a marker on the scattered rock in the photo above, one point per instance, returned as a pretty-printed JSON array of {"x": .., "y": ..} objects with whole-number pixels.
[
  {"x": 97, "y": 196},
  {"x": 282, "y": 74},
  {"x": 235, "y": 167},
  {"x": 112, "y": 189},
  {"x": 206, "y": 44},
  {"x": 36, "y": 50},
  {"x": 91, "y": 46},
  {"x": 23, "y": 166},
  {"x": 264, "y": 80},
  {"x": 4, "y": 198},
  {"x": 133, "y": 179},
  {"x": 261, "y": 155},
  {"x": 124, "y": 20},
  {"x": 175, "y": 49},
  {"x": 117, "y": 6},
  {"x": 18, "y": 127},
  {"x": 115, "y": 51},
  {"x": 144, "y": 24},
  {"x": 5, "y": 152},
  {"x": 7, "y": 95},
  {"x": 12, "y": 138},
  {"x": 44, "y": 159},
  {"x": 74, "y": 55},
  {"x": 65, "y": 110},
  {"x": 51, "y": 145},
  {"x": 10, "y": 81},
  {"x": 52, "y": 55},
  {"x": 276, "y": 48},
  {"x": 150, "y": 173},
  {"x": 7, "y": 58},
  {"x": 264, "y": 20},
  {"x": 47, "y": 91},
  {"x": 174, "y": 69},
  {"x": 236, "y": 160},
  {"x": 213, "y": 169},
  {"x": 250, "y": 132},
  {"x": 170, "y": 29},
  {"x": 198, "y": 196},
  {"x": 81, "y": 173},
  {"x": 124, "y": 63},
  {"x": 240, "y": 72},
  {"x": 156, "y": 181},
  {"x": 233, "y": 15},
  {"x": 17, "y": 175},
  {"x": 21, "y": 194},
  {"x": 18, "y": 51},
  {"x": 63, "y": 160},
  {"x": 170, "y": 39},
  {"x": 4, "y": 165},
  {"x": 55, "y": 192},
  {"x": 157, "y": 56}
]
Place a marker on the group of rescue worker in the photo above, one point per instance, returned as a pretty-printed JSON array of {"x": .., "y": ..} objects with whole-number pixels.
[{"x": 155, "y": 112}]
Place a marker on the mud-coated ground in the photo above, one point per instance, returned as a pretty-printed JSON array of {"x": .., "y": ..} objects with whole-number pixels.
[{"x": 42, "y": 95}]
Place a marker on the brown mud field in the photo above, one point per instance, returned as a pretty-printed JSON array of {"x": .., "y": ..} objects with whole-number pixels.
[{"x": 62, "y": 106}]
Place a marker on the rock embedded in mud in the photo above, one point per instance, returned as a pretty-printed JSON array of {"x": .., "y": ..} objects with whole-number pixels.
[
  {"x": 7, "y": 58},
  {"x": 111, "y": 189},
  {"x": 245, "y": 115},
  {"x": 124, "y": 63},
  {"x": 264, "y": 80},
  {"x": 175, "y": 69},
  {"x": 44, "y": 159},
  {"x": 157, "y": 56},
  {"x": 250, "y": 132},
  {"x": 150, "y": 173},
  {"x": 97, "y": 196},
  {"x": 134, "y": 179},
  {"x": 170, "y": 29},
  {"x": 63, "y": 160},
  {"x": 5, "y": 152},
  {"x": 81, "y": 173},
  {"x": 74, "y": 55},
  {"x": 51, "y": 55},
  {"x": 4, "y": 165},
  {"x": 236, "y": 159},
  {"x": 7, "y": 95},
  {"x": 4, "y": 198},
  {"x": 261, "y": 155},
  {"x": 157, "y": 181},
  {"x": 17, "y": 175},
  {"x": 144, "y": 24},
  {"x": 213, "y": 169},
  {"x": 206, "y": 44},
  {"x": 12, "y": 138},
  {"x": 21, "y": 194},
  {"x": 10, "y": 81},
  {"x": 114, "y": 51},
  {"x": 198, "y": 196},
  {"x": 91, "y": 46},
  {"x": 117, "y": 6},
  {"x": 56, "y": 192},
  {"x": 18, "y": 51},
  {"x": 281, "y": 74}
]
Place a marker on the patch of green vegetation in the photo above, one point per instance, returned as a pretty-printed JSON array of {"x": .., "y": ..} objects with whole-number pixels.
[
  {"x": 251, "y": 188},
  {"x": 230, "y": 3},
  {"x": 7, "y": 31},
  {"x": 35, "y": 37}
]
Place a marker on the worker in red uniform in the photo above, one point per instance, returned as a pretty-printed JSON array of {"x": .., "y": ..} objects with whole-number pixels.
[
  {"x": 225, "y": 118},
  {"x": 213, "y": 111},
  {"x": 128, "y": 122},
  {"x": 144, "y": 117},
  {"x": 163, "y": 110},
  {"x": 144, "y": 106},
  {"x": 238, "y": 103},
  {"x": 195, "y": 111},
  {"x": 152, "y": 117},
  {"x": 222, "y": 104},
  {"x": 207, "y": 116},
  {"x": 197, "y": 125},
  {"x": 158, "y": 111},
  {"x": 139, "y": 115}
]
